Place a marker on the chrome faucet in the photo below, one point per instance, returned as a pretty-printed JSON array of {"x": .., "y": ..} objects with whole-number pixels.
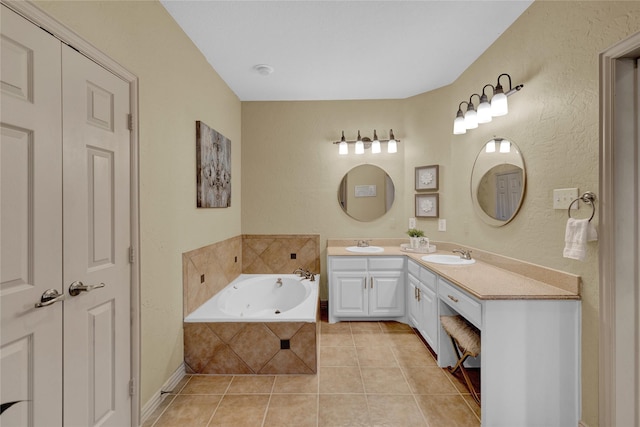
[
  {"x": 363, "y": 243},
  {"x": 305, "y": 273},
  {"x": 464, "y": 253}
]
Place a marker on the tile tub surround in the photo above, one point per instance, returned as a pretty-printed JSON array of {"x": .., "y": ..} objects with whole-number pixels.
[
  {"x": 491, "y": 277},
  {"x": 220, "y": 263},
  {"x": 250, "y": 348}
]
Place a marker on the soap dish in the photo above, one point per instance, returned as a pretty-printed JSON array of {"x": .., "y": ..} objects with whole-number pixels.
[{"x": 406, "y": 247}]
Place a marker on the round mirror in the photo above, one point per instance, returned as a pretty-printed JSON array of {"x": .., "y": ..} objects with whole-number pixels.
[
  {"x": 366, "y": 193},
  {"x": 498, "y": 182}
]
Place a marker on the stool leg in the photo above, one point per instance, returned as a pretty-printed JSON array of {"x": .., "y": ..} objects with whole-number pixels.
[{"x": 460, "y": 365}]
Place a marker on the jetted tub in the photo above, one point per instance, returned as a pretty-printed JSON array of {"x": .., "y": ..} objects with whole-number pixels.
[
  {"x": 260, "y": 298},
  {"x": 258, "y": 324}
]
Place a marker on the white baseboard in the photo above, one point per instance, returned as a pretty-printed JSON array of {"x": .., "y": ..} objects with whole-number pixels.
[{"x": 153, "y": 403}]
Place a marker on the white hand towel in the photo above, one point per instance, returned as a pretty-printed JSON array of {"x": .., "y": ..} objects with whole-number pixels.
[{"x": 576, "y": 236}]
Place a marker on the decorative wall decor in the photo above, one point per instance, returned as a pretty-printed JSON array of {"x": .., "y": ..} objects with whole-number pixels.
[
  {"x": 427, "y": 178},
  {"x": 213, "y": 163},
  {"x": 427, "y": 205}
]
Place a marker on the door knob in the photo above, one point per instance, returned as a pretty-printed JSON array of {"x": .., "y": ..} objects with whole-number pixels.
[
  {"x": 50, "y": 296},
  {"x": 77, "y": 287}
]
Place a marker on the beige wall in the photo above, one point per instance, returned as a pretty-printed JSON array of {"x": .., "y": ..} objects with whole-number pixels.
[
  {"x": 291, "y": 171},
  {"x": 177, "y": 87}
]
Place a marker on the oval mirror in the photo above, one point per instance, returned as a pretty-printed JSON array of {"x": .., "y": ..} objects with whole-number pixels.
[
  {"x": 366, "y": 193},
  {"x": 498, "y": 182}
]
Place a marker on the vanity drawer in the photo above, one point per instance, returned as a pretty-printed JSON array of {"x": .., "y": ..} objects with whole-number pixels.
[
  {"x": 386, "y": 263},
  {"x": 428, "y": 278},
  {"x": 413, "y": 268},
  {"x": 348, "y": 263},
  {"x": 467, "y": 306}
]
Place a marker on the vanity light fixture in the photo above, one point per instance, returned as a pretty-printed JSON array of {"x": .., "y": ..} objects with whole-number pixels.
[
  {"x": 362, "y": 143},
  {"x": 502, "y": 146},
  {"x": 498, "y": 106}
]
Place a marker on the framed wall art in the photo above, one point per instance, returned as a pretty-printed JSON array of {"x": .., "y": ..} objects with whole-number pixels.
[
  {"x": 213, "y": 168},
  {"x": 427, "y": 178},
  {"x": 427, "y": 206}
]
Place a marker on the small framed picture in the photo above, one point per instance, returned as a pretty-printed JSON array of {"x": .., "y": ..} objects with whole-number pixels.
[
  {"x": 427, "y": 206},
  {"x": 427, "y": 178}
]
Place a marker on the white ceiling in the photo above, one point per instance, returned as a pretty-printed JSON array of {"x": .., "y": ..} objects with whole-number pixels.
[{"x": 331, "y": 49}]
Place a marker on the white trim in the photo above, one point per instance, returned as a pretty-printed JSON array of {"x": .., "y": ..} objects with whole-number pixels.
[
  {"x": 607, "y": 255},
  {"x": 37, "y": 16},
  {"x": 158, "y": 396}
]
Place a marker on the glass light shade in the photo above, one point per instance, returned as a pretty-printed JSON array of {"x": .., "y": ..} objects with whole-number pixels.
[
  {"x": 471, "y": 119},
  {"x": 505, "y": 146},
  {"x": 343, "y": 148},
  {"x": 499, "y": 106},
  {"x": 392, "y": 146},
  {"x": 490, "y": 147},
  {"x": 375, "y": 146},
  {"x": 484, "y": 112},
  {"x": 458, "y": 126},
  {"x": 359, "y": 147}
]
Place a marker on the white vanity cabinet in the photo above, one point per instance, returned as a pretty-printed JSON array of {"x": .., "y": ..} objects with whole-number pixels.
[
  {"x": 422, "y": 302},
  {"x": 366, "y": 288},
  {"x": 530, "y": 357}
]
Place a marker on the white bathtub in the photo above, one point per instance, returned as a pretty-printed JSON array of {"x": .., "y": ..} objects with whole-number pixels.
[{"x": 261, "y": 298}]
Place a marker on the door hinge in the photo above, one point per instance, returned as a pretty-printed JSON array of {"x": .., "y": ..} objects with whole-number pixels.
[
  {"x": 130, "y": 121},
  {"x": 132, "y": 255},
  {"x": 131, "y": 387}
]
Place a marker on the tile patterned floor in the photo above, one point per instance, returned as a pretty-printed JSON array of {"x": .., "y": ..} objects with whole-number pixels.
[{"x": 370, "y": 374}]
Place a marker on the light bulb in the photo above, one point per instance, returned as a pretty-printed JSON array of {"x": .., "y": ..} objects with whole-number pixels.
[
  {"x": 359, "y": 147},
  {"x": 458, "y": 124},
  {"x": 392, "y": 145},
  {"x": 484, "y": 110},
  {"x": 471, "y": 118},
  {"x": 490, "y": 147},
  {"x": 505, "y": 146},
  {"x": 499, "y": 106},
  {"x": 375, "y": 145},
  {"x": 343, "y": 148}
]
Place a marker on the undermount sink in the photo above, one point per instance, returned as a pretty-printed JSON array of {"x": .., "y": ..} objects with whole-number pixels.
[
  {"x": 447, "y": 259},
  {"x": 365, "y": 249}
]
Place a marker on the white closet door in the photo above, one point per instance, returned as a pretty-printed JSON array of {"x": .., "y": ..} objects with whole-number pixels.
[
  {"x": 97, "y": 238},
  {"x": 31, "y": 223}
]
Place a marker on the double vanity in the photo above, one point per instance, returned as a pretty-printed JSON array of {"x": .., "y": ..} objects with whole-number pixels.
[{"x": 528, "y": 315}]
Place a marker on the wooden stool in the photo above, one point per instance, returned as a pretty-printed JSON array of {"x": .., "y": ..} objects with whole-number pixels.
[{"x": 465, "y": 338}]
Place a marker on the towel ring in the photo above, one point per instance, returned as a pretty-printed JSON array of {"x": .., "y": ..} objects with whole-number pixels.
[{"x": 588, "y": 198}]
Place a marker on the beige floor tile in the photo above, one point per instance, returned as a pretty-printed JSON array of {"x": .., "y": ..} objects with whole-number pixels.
[
  {"x": 206, "y": 384},
  {"x": 333, "y": 328},
  {"x": 404, "y": 339},
  {"x": 340, "y": 380},
  {"x": 357, "y": 327},
  {"x": 338, "y": 356},
  {"x": 413, "y": 356},
  {"x": 371, "y": 339},
  {"x": 246, "y": 410},
  {"x": 395, "y": 411},
  {"x": 192, "y": 411},
  {"x": 336, "y": 340},
  {"x": 384, "y": 380},
  {"x": 473, "y": 405},
  {"x": 296, "y": 384},
  {"x": 449, "y": 410},
  {"x": 428, "y": 380},
  {"x": 294, "y": 410},
  {"x": 166, "y": 401},
  {"x": 376, "y": 356},
  {"x": 338, "y": 410},
  {"x": 395, "y": 327},
  {"x": 250, "y": 384}
]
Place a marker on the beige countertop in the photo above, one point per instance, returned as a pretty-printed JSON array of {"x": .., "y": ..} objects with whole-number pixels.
[{"x": 491, "y": 277}]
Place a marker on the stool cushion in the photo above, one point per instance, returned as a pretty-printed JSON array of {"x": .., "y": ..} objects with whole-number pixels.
[{"x": 466, "y": 335}]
